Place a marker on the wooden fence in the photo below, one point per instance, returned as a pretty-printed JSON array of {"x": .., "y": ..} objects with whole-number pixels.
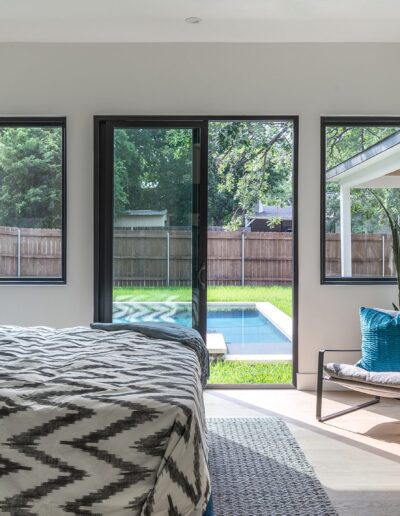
[
  {"x": 145, "y": 257},
  {"x": 372, "y": 255},
  {"x": 160, "y": 257},
  {"x": 236, "y": 258},
  {"x": 28, "y": 252}
]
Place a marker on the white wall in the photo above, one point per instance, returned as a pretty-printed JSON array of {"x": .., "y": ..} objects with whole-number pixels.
[{"x": 307, "y": 79}]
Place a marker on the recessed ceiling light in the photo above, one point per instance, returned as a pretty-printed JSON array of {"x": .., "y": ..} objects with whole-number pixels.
[{"x": 193, "y": 19}]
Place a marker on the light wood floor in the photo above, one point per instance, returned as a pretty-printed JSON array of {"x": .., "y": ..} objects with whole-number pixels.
[{"x": 356, "y": 456}]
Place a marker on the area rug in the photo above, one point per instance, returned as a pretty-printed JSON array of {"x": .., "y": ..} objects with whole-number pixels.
[{"x": 258, "y": 469}]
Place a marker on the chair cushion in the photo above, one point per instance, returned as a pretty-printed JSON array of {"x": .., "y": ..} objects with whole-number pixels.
[
  {"x": 357, "y": 374},
  {"x": 380, "y": 340}
]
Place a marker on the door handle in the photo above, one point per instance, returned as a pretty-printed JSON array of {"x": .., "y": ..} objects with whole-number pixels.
[{"x": 202, "y": 276}]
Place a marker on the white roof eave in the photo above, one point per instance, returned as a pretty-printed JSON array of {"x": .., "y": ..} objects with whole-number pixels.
[{"x": 370, "y": 169}]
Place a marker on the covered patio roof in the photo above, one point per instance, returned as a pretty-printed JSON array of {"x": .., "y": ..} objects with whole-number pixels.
[
  {"x": 375, "y": 167},
  {"x": 365, "y": 168}
]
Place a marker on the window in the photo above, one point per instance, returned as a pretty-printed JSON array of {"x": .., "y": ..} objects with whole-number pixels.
[
  {"x": 32, "y": 200},
  {"x": 360, "y": 166}
]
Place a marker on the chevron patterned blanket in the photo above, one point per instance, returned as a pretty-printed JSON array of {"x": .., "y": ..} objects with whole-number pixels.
[{"x": 99, "y": 422}]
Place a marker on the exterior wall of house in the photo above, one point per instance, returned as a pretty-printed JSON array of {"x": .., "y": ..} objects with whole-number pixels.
[
  {"x": 140, "y": 221},
  {"x": 305, "y": 79},
  {"x": 262, "y": 225}
]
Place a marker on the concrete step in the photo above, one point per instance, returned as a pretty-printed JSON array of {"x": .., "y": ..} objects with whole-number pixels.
[{"x": 216, "y": 344}]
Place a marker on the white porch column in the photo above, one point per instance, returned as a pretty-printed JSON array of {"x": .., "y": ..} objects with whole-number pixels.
[{"x": 345, "y": 230}]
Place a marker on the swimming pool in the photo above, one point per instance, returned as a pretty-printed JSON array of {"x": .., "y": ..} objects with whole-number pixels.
[{"x": 245, "y": 329}]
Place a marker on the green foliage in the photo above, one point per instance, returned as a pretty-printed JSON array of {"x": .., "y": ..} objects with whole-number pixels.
[
  {"x": 248, "y": 162},
  {"x": 273, "y": 222},
  {"x": 344, "y": 142},
  {"x": 241, "y": 372},
  {"x": 30, "y": 177},
  {"x": 153, "y": 170}
]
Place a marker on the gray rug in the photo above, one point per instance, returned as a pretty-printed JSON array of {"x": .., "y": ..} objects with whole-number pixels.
[{"x": 258, "y": 469}]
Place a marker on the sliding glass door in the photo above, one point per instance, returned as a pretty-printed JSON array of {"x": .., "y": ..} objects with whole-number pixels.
[
  {"x": 152, "y": 233},
  {"x": 164, "y": 187}
]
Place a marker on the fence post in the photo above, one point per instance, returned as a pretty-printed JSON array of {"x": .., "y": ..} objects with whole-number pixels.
[
  {"x": 242, "y": 258},
  {"x": 168, "y": 258},
  {"x": 18, "y": 253},
  {"x": 383, "y": 255}
]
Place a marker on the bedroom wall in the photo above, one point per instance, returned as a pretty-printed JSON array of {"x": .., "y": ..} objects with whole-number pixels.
[{"x": 306, "y": 79}]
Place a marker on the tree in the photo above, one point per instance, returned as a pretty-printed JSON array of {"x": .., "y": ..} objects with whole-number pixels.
[
  {"x": 249, "y": 161},
  {"x": 153, "y": 170},
  {"x": 30, "y": 177},
  {"x": 343, "y": 142}
]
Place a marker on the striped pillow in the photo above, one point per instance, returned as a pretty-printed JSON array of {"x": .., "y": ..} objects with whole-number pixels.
[{"x": 380, "y": 332}]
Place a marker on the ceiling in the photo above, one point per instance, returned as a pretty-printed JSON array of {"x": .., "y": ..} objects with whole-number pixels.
[{"x": 223, "y": 20}]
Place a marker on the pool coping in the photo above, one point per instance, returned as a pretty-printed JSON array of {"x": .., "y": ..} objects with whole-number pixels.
[
  {"x": 278, "y": 318},
  {"x": 258, "y": 358}
]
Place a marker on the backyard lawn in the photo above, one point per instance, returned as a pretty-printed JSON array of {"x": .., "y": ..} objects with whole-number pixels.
[
  {"x": 236, "y": 372},
  {"x": 279, "y": 296}
]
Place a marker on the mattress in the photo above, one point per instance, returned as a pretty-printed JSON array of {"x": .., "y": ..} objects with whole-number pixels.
[{"x": 97, "y": 422}]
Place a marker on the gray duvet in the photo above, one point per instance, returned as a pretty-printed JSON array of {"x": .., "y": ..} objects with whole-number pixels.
[{"x": 100, "y": 422}]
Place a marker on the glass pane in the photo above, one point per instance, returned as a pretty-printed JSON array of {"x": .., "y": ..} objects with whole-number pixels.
[
  {"x": 153, "y": 225},
  {"x": 362, "y": 172},
  {"x": 31, "y": 202},
  {"x": 250, "y": 251}
]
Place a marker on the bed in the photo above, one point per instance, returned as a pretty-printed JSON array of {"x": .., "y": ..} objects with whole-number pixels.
[{"x": 95, "y": 421}]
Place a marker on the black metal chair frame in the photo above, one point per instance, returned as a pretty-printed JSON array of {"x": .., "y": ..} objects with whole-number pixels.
[{"x": 320, "y": 382}]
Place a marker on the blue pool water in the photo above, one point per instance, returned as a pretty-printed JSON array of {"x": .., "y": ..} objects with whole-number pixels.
[{"x": 245, "y": 330}]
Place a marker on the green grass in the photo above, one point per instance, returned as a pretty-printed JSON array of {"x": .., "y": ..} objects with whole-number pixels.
[
  {"x": 279, "y": 296},
  {"x": 236, "y": 372}
]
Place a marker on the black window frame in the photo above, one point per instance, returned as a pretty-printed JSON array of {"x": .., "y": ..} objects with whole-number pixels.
[
  {"x": 352, "y": 121},
  {"x": 51, "y": 121},
  {"x": 102, "y": 252}
]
